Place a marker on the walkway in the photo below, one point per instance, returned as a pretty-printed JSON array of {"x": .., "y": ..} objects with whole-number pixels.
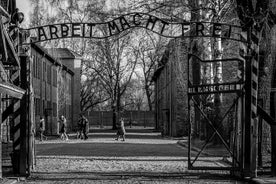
[{"x": 145, "y": 157}]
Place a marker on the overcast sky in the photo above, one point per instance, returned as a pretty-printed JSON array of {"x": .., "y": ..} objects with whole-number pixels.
[{"x": 24, "y": 6}]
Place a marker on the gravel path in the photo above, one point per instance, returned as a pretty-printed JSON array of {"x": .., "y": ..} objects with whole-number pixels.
[{"x": 143, "y": 158}]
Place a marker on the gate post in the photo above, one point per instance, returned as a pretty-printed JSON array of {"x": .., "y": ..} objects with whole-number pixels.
[
  {"x": 251, "y": 96},
  {"x": 239, "y": 131},
  {"x": 273, "y": 150},
  {"x": 247, "y": 120},
  {"x": 1, "y": 111},
  {"x": 273, "y": 129},
  {"x": 23, "y": 119}
]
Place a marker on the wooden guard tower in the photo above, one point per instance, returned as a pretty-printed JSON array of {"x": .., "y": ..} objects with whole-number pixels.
[{"x": 14, "y": 93}]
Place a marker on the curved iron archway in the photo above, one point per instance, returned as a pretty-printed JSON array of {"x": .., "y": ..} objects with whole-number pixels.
[{"x": 134, "y": 20}]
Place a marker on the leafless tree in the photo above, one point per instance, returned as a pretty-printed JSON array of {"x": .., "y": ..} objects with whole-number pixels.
[{"x": 149, "y": 48}]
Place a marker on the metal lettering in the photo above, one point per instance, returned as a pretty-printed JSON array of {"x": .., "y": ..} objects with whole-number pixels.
[
  {"x": 199, "y": 28},
  {"x": 135, "y": 20},
  {"x": 83, "y": 30},
  {"x": 53, "y": 31},
  {"x": 76, "y": 27},
  {"x": 112, "y": 26},
  {"x": 64, "y": 32},
  {"x": 41, "y": 32},
  {"x": 185, "y": 27},
  {"x": 227, "y": 31},
  {"x": 131, "y": 20},
  {"x": 151, "y": 20},
  {"x": 215, "y": 88},
  {"x": 216, "y": 27},
  {"x": 163, "y": 27},
  {"x": 124, "y": 23},
  {"x": 90, "y": 30}
]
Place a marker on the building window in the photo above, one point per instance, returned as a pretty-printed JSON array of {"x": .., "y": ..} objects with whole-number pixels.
[
  {"x": 37, "y": 106},
  {"x": 44, "y": 71},
  {"x": 54, "y": 77},
  {"x": 49, "y": 74},
  {"x": 54, "y": 109},
  {"x": 39, "y": 65},
  {"x": 34, "y": 65},
  {"x": 49, "y": 108},
  {"x": 43, "y": 107},
  {"x": 43, "y": 65},
  {"x": 69, "y": 86}
]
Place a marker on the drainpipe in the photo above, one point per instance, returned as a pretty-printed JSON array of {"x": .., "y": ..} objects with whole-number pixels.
[{"x": 171, "y": 84}]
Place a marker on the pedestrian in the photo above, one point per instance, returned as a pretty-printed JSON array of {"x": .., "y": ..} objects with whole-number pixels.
[
  {"x": 41, "y": 128},
  {"x": 80, "y": 127},
  {"x": 63, "y": 128},
  {"x": 121, "y": 130},
  {"x": 130, "y": 123},
  {"x": 85, "y": 127}
]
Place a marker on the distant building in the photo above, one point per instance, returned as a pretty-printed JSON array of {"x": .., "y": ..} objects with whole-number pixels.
[
  {"x": 51, "y": 82},
  {"x": 171, "y": 109},
  {"x": 72, "y": 61}
]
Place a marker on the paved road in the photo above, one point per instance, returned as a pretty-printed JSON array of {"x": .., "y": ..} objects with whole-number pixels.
[
  {"x": 107, "y": 146},
  {"x": 145, "y": 157}
]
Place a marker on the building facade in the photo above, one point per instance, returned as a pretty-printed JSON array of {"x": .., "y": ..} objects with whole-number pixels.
[
  {"x": 52, "y": 89},
  {"x": 72, "y": 61},
  {"x": 170, "y": 79}
]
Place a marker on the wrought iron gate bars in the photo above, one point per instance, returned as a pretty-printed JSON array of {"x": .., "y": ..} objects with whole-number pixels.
[
  {"x": 192, "y": 92},
  {"x": 215, "y": 129}
]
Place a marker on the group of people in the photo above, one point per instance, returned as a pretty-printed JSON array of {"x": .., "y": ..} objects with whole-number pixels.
[
  {"x": 63, "y": 128},
  {"x": 83, "y": 127}
]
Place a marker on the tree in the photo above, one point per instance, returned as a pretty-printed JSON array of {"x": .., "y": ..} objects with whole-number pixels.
[
  {"x": 149, "y": 48},
  {"x": 134, "y": 97},
  {"x": 92, "y": 91},
  {"x": 114, "y": 64}
]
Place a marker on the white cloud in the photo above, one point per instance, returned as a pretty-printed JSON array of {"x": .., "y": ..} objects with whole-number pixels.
[{"x": 25, "y": 7}]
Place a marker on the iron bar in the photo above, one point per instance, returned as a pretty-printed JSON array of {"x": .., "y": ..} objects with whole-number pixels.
[{"x": 221, "y": 138}]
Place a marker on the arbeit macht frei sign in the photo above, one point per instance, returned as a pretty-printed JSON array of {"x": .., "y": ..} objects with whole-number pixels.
[{"x": 133, "y": 20}]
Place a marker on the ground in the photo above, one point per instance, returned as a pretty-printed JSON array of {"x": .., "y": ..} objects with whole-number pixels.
[{"x": 145, "y": 157}]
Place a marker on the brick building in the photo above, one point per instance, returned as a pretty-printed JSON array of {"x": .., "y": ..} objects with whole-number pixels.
[
  {"x": 52, "y": 81},
  {"x": 72, "y": 61},
  {"x": 171, "y": 90}
]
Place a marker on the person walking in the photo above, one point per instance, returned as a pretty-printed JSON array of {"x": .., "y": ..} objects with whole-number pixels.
[
  {"x": 121, "y": 130},
  {"x": 85, "y": 127},
  {"x": 63, "y": 129},
  {"x": 41, "y": 128},
  {"x": 80, "y": 127}
]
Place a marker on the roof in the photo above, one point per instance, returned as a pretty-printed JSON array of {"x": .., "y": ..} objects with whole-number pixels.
[
  {"x": 43, "y": 51},
  {"x": 11, "y": 90},
  {"x": 160, "y": 65},
  {"x": 63, "y": 53}
]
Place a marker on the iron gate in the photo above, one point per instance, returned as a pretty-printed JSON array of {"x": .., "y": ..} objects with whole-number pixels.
[{"x": 215, "y": 115}]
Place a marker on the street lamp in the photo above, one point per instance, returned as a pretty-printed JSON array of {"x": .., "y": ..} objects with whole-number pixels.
[{"x": 17, "y": 17}]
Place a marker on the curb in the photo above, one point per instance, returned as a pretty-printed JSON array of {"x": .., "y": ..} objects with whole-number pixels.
[
  {"x": 261, "y": 180},
  {"x": 9, "y": 181}
]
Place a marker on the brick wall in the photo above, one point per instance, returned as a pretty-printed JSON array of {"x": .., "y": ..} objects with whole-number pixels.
[{"x": 171, "y": 90}]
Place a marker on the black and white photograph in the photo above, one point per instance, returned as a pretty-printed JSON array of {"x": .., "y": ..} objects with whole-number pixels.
[{"x": 138, "y": 91}]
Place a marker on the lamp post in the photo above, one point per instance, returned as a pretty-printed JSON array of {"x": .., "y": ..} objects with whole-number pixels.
[{"x": 17, "y": 17}]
